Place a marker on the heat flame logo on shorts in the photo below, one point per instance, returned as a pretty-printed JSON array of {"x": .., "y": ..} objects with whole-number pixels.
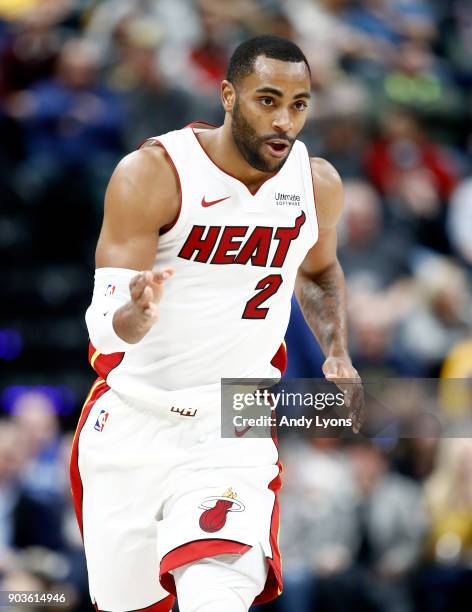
[{"x": 214, "y": 517}]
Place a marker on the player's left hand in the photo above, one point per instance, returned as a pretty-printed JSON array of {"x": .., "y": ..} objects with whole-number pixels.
[{"x": 341, "y": 371}]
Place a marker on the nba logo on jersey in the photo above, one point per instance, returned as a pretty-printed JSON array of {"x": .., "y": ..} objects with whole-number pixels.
[
  {"x": 101, "y": 420},
  {"x": 110, "y": 290}
]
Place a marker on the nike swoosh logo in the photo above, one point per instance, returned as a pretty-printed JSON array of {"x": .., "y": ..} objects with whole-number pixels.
[
  {"x": 205, "y": 204},
  {"x": 239, "y": 433}
]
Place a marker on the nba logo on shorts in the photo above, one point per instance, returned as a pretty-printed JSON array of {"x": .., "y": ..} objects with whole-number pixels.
[
  {"x": 101, "y": 420},
  {"x": 110, "y": 290}
]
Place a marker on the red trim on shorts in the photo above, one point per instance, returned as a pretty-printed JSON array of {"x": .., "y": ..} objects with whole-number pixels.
[
  {"x": 280, "y": 359},
  {"x": 98, "y": 389},
  {"x": 103, "y": 364},
  {"x": 273, "y": 585},
  {"x": 194, "y": 551}
]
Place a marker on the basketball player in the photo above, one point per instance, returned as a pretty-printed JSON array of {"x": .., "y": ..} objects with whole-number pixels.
[{"x": 206, "y": 233}]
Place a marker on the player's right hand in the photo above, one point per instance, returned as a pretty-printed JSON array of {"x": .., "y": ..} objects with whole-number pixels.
[
  {"x": 146, "y": 290},
  {"x": 133, "y": 320}
]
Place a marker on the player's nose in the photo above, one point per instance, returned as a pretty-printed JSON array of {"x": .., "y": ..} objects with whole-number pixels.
[{"x": 282, "y": 121}]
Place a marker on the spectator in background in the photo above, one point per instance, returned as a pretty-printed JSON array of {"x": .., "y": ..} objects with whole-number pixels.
[
  {"x": 417, "y": 18},
  {"x": 376, "y": 18},
  {"x": 36, "y": 420},
  {"x": 71, "y": 118},
  {"x": 449, "y": 497},
  {"x": 318, "y": 530},
  {"x": 447, "y": 583},
  {"x": 456, "y": 395},
  {"x": 208, "y": 58},
  {"x": 40, "y": 512},
  {"x": 353, "y": 530},
  {"x": 52, "y": 10},
  {"x": 441, "y": 316},
  {"x": 12, "y": 461},
  {"x": 406, "y": 166},
  {"x": 414, "y": 175},
  {"x": 30, "y": 54},
  {"x": 73, "y": 547},
  {"x": 337, "y": 128},
  {"x": 177, "y": 19},
  {"x": 72, "y": 136},
  {"x": 456, "y": 33},
  {"x": 152, "y": 104},
  {"x": 376, "y": 264},
  {"x": 329, "y": 40},
  {"x": 200, "y": 65},
  {"x": 370, "y": 253},
  {"x": 419, "y": 80},
  {"x": 374, "y": 324},
  {"x": 459, "y": 221},
  {"x": 392, "y": 527}
]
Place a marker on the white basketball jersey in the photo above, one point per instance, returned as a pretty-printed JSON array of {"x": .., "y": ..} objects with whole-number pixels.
[{"x": 225, "y": 311}]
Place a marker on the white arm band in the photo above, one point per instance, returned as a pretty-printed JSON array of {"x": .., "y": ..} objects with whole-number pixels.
[{"x": 110, "y": 292}]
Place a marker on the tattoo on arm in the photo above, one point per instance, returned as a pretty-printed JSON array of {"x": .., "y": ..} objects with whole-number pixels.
[{"x": 322, "y": 299}]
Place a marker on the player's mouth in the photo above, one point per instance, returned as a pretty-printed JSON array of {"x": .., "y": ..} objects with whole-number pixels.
[{"x": 278, "y": 148}]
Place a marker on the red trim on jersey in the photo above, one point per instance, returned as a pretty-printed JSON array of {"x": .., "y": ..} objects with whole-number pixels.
[
  {"x": 194, "y": 551},
  {"x": 195, "y": 124},
  {"x": 280, "y": 359},
  {"x": 98, "y": 389},
  {"x": 103, "y": 364},
  {"x": 226, "y": 172},
  {"x": 314, "y": 194}
]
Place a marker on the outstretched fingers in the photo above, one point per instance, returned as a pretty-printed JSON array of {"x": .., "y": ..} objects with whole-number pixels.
[{"x": 162, "y": 275}]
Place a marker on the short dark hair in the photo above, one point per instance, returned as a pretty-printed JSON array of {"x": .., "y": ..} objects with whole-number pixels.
[{"x": 275, "y": 47}]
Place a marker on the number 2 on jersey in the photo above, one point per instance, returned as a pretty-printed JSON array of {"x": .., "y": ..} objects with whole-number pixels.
[{"x": 267, "y": 286}]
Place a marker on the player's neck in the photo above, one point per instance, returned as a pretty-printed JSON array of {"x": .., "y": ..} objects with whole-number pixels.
[{"x": 222, "y": 150}]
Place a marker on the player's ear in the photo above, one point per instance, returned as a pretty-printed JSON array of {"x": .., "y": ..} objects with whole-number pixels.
[{"x": 228, "y": 95}]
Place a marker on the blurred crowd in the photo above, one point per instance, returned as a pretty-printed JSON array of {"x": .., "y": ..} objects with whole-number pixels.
[{"x": 83, "y": 82}]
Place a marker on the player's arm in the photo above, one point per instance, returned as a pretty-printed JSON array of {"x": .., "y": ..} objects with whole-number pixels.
[
  {"x": 141, "y": 198},
  {"x": 320, "y": 287}
]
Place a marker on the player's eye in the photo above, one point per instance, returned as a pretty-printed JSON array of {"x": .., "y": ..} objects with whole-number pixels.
[
  {"x": 266, "y": 101},
  {"x": 300, "y": 105}
]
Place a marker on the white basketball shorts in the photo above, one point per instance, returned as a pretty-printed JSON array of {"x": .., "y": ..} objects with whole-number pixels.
[{"x": 156, "y": 489}]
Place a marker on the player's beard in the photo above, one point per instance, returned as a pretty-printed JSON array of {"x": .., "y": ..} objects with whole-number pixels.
[{"x": 250, "y": 144}]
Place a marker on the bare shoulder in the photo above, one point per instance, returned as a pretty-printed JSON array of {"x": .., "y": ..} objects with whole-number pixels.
[
  {"x": 144, "y": 183},
  {"x": 328, "y": 192}
]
